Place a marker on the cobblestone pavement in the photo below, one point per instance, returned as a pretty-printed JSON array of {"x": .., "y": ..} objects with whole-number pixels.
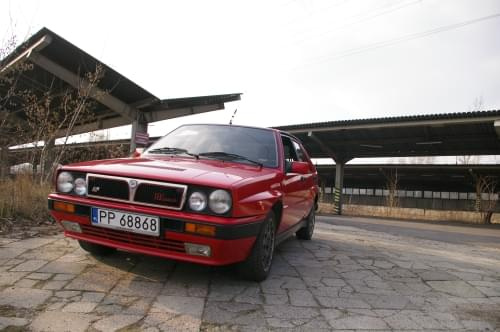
[{"x": 346, "y": 278}]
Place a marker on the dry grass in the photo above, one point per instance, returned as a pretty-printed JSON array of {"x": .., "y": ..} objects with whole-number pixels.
[{"x": 22, "y": 198}]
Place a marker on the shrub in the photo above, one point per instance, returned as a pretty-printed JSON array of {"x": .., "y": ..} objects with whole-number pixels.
[{"x": 24, "y": 198}]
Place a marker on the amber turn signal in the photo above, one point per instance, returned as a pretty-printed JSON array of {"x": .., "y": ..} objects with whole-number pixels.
[
  {"x": 206, "y": 230},
  {"x": 64, "y": 207}
]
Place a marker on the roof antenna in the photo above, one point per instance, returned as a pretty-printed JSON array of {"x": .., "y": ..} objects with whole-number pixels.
[{"x": 231, "y": 121}]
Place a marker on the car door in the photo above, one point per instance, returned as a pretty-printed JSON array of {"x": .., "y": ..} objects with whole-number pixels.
[
  {"x": 292, "y": 186},
  {"x": 307, "y": 183}
]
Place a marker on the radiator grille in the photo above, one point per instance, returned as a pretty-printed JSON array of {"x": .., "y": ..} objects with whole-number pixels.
[
  {"x": 108, "y": 188},
  {"x": 159, "y": 195},
  {"x": 133, "y": 238}
]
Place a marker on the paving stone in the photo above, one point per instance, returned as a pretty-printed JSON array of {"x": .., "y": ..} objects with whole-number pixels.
[
  {"x": 387, "y": 302},
  {"x": 80, "y": 307},
  {"x": 250, "y": 295},
  {"x": 302, "y": 298},
  {"x": 167, "y": 321},
  {"x": 5, "y": 322},
  {"x": 54, "y": 285},
  {"x": 137, "y": 288},
  {"x": 31, "y": 243},
  {"x": 456, "y": 288},
  {"x": 344, "y": 303},
  {"x": 9, "y": 278},
  {"x": 63, "y": 276},
  {"x": 275, "y": 298},
  {"x": 57, "y": 322},
  {"x": 437, "y": 276},
  {"x": 26, "y": 283},
  {"x": 63, "y": 267},
  {"x": 29, "y": 266},
  {"x": 92, "y": 296},
  {"x": 94, "y": 281},
  {"x": 39, "y": 276},
  {"x": 229, "y": 313},
  {"x": 179, "y": 305},
  {"x": 23, "y": 297},
  {"x": 357, "y": 322},
  {"x": 67, "y": 294},
  {"x": 116, "y": 322}
]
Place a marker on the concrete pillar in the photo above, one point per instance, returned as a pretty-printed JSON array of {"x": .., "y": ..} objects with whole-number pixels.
[
  {"x": 4, "y": 162},
  {"x": 339, "y": 184},
  {"x": 138, "y": 126}
]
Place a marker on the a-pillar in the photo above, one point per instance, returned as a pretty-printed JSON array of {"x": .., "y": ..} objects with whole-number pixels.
[
  {"x": 339, "y": 184},
  {"x": 4, "y": 162},
  {"x": 140, "y": 125}
]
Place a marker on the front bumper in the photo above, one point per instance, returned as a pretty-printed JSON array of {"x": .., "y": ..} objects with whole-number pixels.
[{"x": 233, "y": 240}]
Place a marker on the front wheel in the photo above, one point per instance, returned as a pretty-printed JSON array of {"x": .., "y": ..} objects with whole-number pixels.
[
  {"x": 258, "y": 264},
  {"x": 96, "y": 249},
  {"x": 306, "y": 232}
]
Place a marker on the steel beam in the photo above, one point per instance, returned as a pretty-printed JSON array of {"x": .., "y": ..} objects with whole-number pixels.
[{"x": 78, "y": 82}]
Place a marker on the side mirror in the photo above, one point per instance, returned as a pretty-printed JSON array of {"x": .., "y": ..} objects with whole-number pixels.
[{"x": 300, "y": 167}]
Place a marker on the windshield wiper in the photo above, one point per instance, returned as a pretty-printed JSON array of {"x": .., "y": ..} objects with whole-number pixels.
[
  {"x": 168, "y": 150},
  {"x": 225, "y": 155}
]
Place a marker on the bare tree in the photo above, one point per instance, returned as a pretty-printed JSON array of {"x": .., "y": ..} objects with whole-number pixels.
[
  {"x": 391, "y": 178},
  {"x": 486, "y": 188}
]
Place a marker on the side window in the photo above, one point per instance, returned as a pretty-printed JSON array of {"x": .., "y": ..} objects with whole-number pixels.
[
  {"x": 299, "y": 152},
  {"x": 289, "y": 149}
]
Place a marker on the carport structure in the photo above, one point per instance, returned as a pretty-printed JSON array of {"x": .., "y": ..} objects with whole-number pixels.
[
  {"x": 58, "y": 65},
  {"x": 454, "y": 134}
]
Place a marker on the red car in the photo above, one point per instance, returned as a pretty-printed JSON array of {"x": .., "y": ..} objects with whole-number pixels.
[{"x": 209, "y": 194}]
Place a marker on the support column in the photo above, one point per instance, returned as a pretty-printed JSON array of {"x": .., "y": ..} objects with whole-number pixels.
[
  {"x": 339, "y": 184},
  {"x": 140, "y": 125}
]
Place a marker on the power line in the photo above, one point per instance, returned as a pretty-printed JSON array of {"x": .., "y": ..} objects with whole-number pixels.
[
  {"x": 367, "y": 17},
  {"x": 402, "y": 39}
]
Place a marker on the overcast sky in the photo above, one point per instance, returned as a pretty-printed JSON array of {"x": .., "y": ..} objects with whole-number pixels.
[{"x": 296, "y": 61}]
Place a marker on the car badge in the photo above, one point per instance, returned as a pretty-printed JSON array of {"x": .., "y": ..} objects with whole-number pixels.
[
  {"x": 95, "y": 189},
  {"x": 132, "y": 184}
]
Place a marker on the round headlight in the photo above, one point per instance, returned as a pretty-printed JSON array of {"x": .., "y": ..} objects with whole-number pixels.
[
  {"x": 219, "y": 201},
  {"x": 80, "y": 186},
  {"x": 197, "y": 201},
  {"x": 65, "y": 182}
]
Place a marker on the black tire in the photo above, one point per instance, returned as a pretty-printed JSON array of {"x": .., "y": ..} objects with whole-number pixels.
[
  {"x": 306, "y": 232},
  {"x": 96, "y": 249},
  {"x": 258, "y": 264}
]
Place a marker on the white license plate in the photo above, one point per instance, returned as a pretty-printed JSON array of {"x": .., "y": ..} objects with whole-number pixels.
[{"x": 131, "y": 222}]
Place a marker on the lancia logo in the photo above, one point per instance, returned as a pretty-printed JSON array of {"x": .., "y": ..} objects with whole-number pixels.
[
  {"x": 132, "y": 184},
  {"x": 95, "y": 189}
]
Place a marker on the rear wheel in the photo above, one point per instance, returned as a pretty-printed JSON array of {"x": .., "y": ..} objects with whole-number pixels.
[
  {"x": 306, "y": 232},
  {"x": 258, "y": 264},
  {"x": 96, "y": 249}
]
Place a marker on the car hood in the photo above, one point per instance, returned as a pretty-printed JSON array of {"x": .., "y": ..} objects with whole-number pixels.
[{"x": 216, "y": 173}]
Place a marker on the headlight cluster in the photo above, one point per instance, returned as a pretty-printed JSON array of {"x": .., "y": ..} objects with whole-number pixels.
[
  {"x": 218, "y": 201},
  {"x": 72, "y": 183}
]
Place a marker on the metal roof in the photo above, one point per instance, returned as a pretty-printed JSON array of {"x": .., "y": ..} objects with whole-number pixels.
[
  {"x": 58, "y": 65},
  {"x": 469, "y": 133}
]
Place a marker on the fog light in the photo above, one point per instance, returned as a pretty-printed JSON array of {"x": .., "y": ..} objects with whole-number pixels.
[
  {"x": 71, "y": 226},
  {"x": 197, "y": 249}
]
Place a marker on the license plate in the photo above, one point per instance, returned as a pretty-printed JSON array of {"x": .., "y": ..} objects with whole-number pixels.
[{"x": 130, "y": 222}]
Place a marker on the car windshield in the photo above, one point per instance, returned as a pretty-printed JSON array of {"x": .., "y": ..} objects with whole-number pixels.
[{"x": 234, "y": 143}]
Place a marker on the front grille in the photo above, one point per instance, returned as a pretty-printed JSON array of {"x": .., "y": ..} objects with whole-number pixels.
[
  {"x": 162, "y": 195},
  {"x": 107, "y": 187},
  {"x": 133, "y": 238}
]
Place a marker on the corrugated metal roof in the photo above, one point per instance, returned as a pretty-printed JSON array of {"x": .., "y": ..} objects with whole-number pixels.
[{"x": 408, "y": 118}]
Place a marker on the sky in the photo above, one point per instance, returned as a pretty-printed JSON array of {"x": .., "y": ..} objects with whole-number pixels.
[{"x": 295, "y": 61}]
